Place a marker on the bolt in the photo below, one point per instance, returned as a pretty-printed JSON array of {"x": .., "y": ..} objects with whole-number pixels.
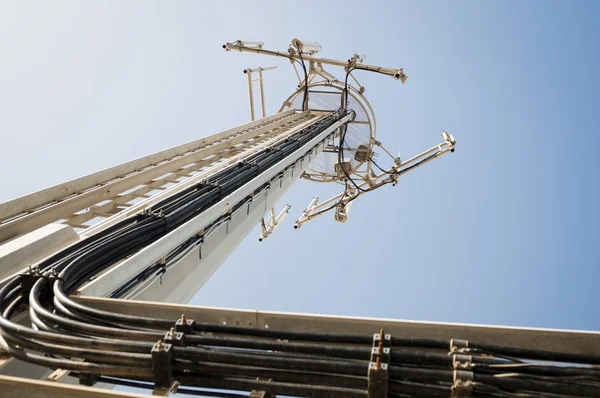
[
  {"x": 171, "y": 332},
  {"x": 182, "y": 319},
  {"x": 159, "y": 346}
]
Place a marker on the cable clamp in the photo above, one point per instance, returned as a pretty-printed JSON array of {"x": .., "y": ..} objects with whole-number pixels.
[
  {"x": 29, "y": 279},
  {"x": 273, "y": 149},
  {"x": 152, "y": 213},
  {"x": 460, "y": 361},
  {"x": 53, "y": 277},
  {"x": 379, "y": 365},
  {"x": 175, "y": 338},
  {"x": 458, "y": 346},
  {"x": 462, "y": 385},
  {"x": 162, "y": 364},
  {"x": 208, "y": 183},
  {"x": 184, "y": 325},
  {"x": 88, "y": 379}
]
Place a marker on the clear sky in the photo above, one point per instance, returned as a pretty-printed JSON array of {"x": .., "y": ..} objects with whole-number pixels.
[{"x": 503, "y": 231}]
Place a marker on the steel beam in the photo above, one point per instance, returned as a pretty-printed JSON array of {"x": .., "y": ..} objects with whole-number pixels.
[
  {"x": 126, "y": 270},
  {"x": 17, "y": 387},
  {"x": 558, "y": 340},
  {"x": 32, "y": 211},
  {"x": 236, "y": 155}
]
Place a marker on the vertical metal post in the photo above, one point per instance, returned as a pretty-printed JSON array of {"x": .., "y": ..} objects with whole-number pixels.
[
  {"x": 260, "y": 71},
  {"x": 262, "y": 91},
  {"x": 251, "y": 94}
]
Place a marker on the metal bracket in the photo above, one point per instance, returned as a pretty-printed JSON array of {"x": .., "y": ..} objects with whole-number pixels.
[
  {"x": 88, "y": 379},
  {"x": 458, "y": 346},
  {"x": 184, "y": 325},
  {"x": 306, "y": 213},
  {"x": 28, "y": 281},
  {"x": 162, "y": 364},
  {"x": 462, "y": 384},
  {"x": 461, "y": 362},
  {"x": 165, "y": 391},
  {"x": 379, "y": 364},
  {"x": 175, "y": 338},
  {"x": 268, "y": 227},
  {"x": 260, "y": 71}
]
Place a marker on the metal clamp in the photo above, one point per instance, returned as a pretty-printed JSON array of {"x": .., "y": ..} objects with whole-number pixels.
[
  {"x": 458, "y": 346},
  {"x": 175, "y": 338},
  {"x": 29, "y": 279},
  {"x": 460, "y": 361},
  {"x": 184, "y": 325},
  {"x": 379, "y": 364},
  {"x": 462, "y": 385},
  {"x": 88, "y": 379},
  {"x": 162, "y": 364}
]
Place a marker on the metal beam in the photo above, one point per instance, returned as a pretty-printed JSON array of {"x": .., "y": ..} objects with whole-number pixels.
[
  {"x": 17, "y": 387},
  {"x": 558, "y": 340},
  {"x": 256, "y": 145},
  {"x": 395, "y": 73},
  {"x": 27, "y": 213},
  {"x": 149, "y": 255}
]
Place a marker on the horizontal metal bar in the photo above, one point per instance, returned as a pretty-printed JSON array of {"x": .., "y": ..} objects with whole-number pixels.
[
  {"x": 310, "y": 58},
  {"x": 558, "y": 340},
  {"x": 259, "y": 69},
  {"x": 19, "y": 387}
]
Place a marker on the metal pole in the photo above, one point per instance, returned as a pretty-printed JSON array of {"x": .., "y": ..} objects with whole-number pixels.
[
  {"x": 249, "y": 73},
  {"x": 395, "y": 73},
  {"x": 262, "y": 91}
]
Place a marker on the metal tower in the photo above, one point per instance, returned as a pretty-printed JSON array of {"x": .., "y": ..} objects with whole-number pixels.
[{"x": 73, "y": 256}]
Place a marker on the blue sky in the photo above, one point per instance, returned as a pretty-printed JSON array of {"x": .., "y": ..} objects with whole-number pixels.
[{"x": 503, "y": 231}]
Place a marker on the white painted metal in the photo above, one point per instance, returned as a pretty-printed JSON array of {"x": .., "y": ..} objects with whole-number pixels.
[
  {"x": 557, "y": 340},
  {"x": 108, "y": 282},
  {"x": 303, "y": 121},
  {"x": 18, "y": 387},
  {"x": 64, "y": 201},
  {"x": 18, "y": 253},
  {"x": 268, "y": 227},
  {"x": 109, "y": 193},
  {"x": 306, "y": 46},
  {"x": 340, "y": 203},
  {"x": 250, "y": 93},
  {"x": 187, "y": 276},
  {"x": 260, "y": 71},
  {"x": 244, "y": 47}
]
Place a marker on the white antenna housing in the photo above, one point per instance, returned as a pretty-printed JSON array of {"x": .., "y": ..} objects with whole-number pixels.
[{"x": 306, "y": 46}]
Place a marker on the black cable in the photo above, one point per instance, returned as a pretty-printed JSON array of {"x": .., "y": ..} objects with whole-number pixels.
[
  {"x": 308, "y": 364},
  {"x": 305, "y": 98}
]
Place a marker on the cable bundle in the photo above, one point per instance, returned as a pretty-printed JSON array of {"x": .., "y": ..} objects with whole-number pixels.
[{"x": 147, "y": 351}]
